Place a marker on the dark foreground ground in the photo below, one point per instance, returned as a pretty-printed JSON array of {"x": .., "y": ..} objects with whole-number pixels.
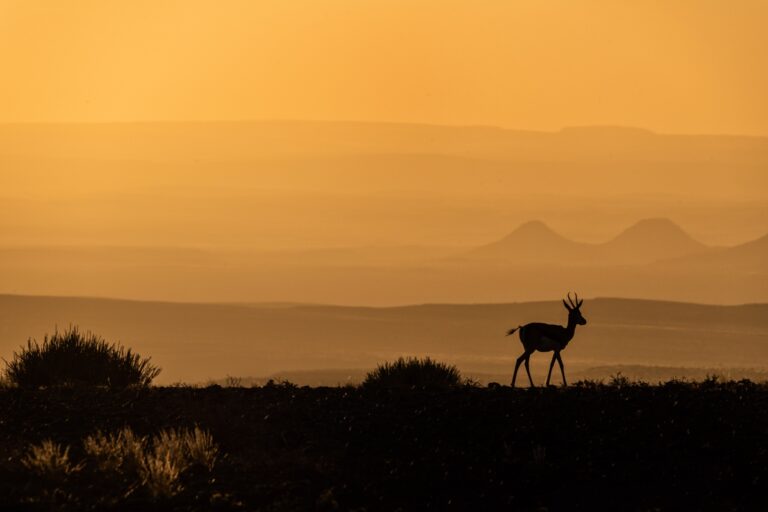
[{"x": 587, "y": 447}]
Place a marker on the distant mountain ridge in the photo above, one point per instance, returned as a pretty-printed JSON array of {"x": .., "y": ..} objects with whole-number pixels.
[
  {"x": 650, "y": 240},
  {"x": 244, "y": 139},
  {"x": 749, "y": 257},
  {"x": 652, "y": 259},
  {"x": 646, "y": 241},
  {"x": 533, "y": 242}
]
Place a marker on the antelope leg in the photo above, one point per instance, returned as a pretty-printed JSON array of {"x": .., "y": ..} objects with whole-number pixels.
[
  {"x": 562, "y": 369},
  {"x": 517, "y": 365},
  {"x": 551, "y": 365},
  {"x": 527, "y": 369}
]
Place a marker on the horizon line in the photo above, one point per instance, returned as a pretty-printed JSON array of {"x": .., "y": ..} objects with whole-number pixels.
[
  {"x": 561, "y": 130},
  {"x": 299, "y": 304}
]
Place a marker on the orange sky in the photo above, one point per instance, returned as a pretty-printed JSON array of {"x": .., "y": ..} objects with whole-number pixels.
[{"x": 672, "y": 66}]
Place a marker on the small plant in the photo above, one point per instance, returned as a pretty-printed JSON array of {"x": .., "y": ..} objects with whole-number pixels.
[
  {"x": 73, "y": 358},
  {"x": 49, "y": 460},
  {"x": 186, "y": 448},
  {"x": 413, "y": 373},
  {"x": 283, "y": 384},
  {"x": 233, "y": 382},
  {"x": 155, "y": 464},
  {"x": 53, "y": 473},
  {"x": 122, "y": 467},
  {"x": 120, "y": 459},
  {"x": 619, "y": 381},
  {"x": 200, "y": 448},
  {"x": 160, "y": 475},
  {"x": 590, "y": 384},
  {"x": 122, "y": 452}
]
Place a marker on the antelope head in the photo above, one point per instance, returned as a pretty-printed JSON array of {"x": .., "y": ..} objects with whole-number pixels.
[{"x": 574, "y": 314}]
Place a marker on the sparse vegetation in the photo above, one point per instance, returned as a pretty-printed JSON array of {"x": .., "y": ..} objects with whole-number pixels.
[
  {"x": 592, "y": 446},
  {"x": 119, "y": 468},
  {"x": 50, "y": 473},
  {"x": 233, "y": 382},
  {"x": 49, "y": 460},
  {"x": 120, "y": 452},
  {"x": 73, "y": 358},
  {"x": 619, "y": 381},
  {"x": 413, "y": 373},
  {"x": 281, "y": 384}
]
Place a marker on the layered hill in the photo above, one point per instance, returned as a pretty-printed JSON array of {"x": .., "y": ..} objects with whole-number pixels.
[
  {"x": 195, "y": 342},
  {"x": 212, "y": 140},
  {"x": 751, "y": 257},
  {"x": 375, "y": 156},
  {"x": 261, "y": 184},
  {"x": 654, "y": 259}
]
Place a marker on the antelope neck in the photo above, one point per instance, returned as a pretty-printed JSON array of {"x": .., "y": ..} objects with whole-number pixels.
[{"x": 570, "y": 329}]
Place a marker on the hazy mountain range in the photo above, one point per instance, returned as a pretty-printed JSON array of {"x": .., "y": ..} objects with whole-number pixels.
[
  {"x": 158, "y": 141},
  {"x": 533, "y": 242},
  {"x": 657, "y": 240},
  {"x": 653, "y": 258},
  {"x": 298, "y": 185},
  {"x": 379, "y": 213},
  {"x": 647, "y": 241}
]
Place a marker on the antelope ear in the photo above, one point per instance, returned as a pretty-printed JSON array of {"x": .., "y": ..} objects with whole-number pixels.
[{"x": 566, "y": 305}]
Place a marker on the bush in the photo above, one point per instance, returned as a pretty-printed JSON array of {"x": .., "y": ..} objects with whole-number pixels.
[
  {"x": 50, "y": 472},
  {"x": 413, "y": 373},
  {"x": 75, "y": 359},
  {"x": 122, "y": 468},
  {"x": 157, "y": 466},
  {"x": 48, "y": 459},
  {"x": 619, "y": 381}
]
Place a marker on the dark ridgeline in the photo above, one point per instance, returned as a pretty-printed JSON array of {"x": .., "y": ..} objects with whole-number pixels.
[{"x": 548, "y": 338}]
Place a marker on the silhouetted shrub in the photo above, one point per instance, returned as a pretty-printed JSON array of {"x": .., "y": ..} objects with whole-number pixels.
[
  {"x": 233, "y": 382},
  {"x": 413, "y": 373},
  {"x": 75, "y": 359},
  {"x": 281, "y": 384},
  {"x": 619, "y": 381}
]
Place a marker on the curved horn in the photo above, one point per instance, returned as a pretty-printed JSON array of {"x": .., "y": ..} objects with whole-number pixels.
[
  {"x": 578, "y": 302},
  {"x": 573, "y": 306}
]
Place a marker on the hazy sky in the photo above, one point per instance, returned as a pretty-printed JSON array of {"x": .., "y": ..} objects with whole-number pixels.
[{"x": 672, "y": 66}]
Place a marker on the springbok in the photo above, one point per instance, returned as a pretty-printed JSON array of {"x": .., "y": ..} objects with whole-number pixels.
[{"x": 548, "y": 338}]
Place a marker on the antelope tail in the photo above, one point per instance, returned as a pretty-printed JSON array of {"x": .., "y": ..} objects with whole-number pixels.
[{"x": 512, "y": 331}]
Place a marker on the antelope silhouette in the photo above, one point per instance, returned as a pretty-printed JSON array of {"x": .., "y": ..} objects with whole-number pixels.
[{"x": 548, "y": 338}]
